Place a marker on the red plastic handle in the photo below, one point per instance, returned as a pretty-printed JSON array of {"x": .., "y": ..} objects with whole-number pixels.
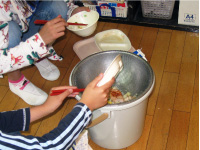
[
  {"x": 57, "y": 92},
  {"x": 77, "y": 24},
  {"x": 40, "y": 21},
  {"x": 69, "y": 23}
]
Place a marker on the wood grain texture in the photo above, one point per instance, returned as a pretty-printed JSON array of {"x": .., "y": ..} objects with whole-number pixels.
[
  {"x": 185, "y": 88},
  {"x": 148, "y": 41},
  {"x": 174, "y": 55},
  {"x": 3, "y": 91},
  {"x": 135, "y": 35},
  {"x": 178, "y": 130},
  {"x": 161, "y": 121},
  {"x": 157, "y": 63},
  {"x": 193, "y": 133}
]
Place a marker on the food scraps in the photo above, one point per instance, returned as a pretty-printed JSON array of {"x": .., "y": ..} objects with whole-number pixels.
[{"x": 115, "y": 96}]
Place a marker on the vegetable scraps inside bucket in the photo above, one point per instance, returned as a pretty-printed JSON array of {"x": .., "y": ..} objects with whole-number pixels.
[{"x": 116, "y": 96}]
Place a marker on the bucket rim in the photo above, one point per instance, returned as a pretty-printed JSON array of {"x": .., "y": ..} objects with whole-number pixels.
[{"x": 126, "y": 104}]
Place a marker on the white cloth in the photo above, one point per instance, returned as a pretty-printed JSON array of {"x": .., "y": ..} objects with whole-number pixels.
[{"x": 82, "y": 142}]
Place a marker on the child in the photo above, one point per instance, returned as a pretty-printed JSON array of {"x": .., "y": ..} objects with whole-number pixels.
[
  {"x": 22, "y": 43},
  {"x": 69, "y": 128}
]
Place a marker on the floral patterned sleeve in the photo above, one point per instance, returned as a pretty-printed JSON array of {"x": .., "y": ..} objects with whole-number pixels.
[{"x": 25, "y": 54}]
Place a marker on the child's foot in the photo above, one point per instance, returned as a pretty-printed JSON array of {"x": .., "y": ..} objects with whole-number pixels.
[
  {"x": 48, "y": 70},
  {"x": 28, "y": 91}
]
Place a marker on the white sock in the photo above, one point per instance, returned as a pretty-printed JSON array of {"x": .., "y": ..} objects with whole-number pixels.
[{"x": 21, "y": 83}]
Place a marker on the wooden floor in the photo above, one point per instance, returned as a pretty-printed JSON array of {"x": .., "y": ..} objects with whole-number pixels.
[{"x": 172, "y": 120}]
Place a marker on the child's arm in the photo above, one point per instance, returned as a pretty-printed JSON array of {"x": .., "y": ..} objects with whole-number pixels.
[
  {"x": 69, "y": 128},
  {"x": 19, "y": 120},
  {"x": 62, "y": 137},
  {"x": 16, "y": 120},
  {"x": 91, "y": 93},
  {"x": 51, "y": 104},
  {"x": 31, "y": 50}
]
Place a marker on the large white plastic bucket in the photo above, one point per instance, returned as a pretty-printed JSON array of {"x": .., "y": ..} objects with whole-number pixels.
[
  {"x": 124, "y": 124},
  {"x": 117, "y": 126}
]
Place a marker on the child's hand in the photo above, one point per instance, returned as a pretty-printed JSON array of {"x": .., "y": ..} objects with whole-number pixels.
[
  {"x": 79, "y": 9},
  {"x": 53, "y": 102},
  {"x": 94, "y": 96},
  {"x": 53, "y": 29}
]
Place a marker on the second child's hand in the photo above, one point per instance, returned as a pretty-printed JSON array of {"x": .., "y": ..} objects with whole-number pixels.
[{"x": 53, "y": 29}]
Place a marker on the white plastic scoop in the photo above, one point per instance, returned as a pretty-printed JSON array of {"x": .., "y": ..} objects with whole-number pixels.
[{"x": 112, "y": 71}]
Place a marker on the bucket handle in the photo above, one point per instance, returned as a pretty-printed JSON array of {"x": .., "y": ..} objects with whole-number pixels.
[{"x": 98, "y": 120}]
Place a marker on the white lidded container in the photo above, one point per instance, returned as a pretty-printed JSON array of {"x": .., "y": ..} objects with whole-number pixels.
[
  {"x": 121, "y": 124},
  {"x": 113, "y": 39}
]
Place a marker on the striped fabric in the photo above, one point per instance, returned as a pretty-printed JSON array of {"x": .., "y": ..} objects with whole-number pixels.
[{"x": 62, "y": 137}]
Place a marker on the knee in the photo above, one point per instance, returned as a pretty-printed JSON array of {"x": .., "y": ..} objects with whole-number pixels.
[
  {"x": 15, "y": 34},
  {"x": 14, "y": 30},
  {"x": 60, "y": 8}
]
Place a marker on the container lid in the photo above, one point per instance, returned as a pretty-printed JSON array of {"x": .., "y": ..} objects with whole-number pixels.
[
  {"x": 86, "y": 47},
  {"x": 113, "y": 39}
]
